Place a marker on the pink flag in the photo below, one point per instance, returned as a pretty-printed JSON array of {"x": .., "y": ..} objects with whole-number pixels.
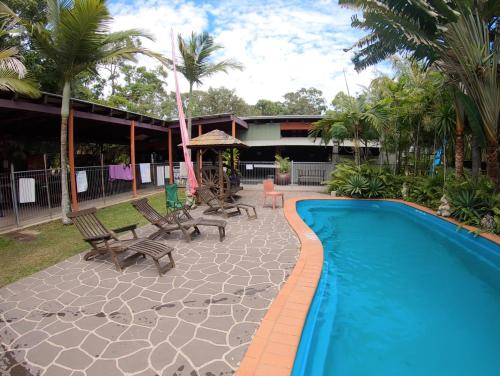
[{"x": 192, "y": 183}]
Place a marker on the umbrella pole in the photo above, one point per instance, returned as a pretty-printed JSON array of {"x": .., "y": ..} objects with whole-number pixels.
[{"x": 221, "y": 171}]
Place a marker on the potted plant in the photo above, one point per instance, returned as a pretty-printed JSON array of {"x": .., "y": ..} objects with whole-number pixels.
[
  {"x": 283, "y": 170},
  {"x": 232, "y": 171}
]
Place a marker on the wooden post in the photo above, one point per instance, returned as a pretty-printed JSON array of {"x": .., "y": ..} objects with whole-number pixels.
[
  {"x": 132, "y": 158},
  {"x": 170, "y": 157},
  {"x": 233, "y": 128},
  {"x": 71, "y": 151},
  {"x": 233, "y": 133},
  {"x": 221, "y": 172}
]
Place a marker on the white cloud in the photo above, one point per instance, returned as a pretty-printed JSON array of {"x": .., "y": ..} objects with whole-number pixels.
[{"x": 283, "y": 45}]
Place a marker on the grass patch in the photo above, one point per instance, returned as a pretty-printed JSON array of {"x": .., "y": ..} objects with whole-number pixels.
[{"x": 57, "y": 242}]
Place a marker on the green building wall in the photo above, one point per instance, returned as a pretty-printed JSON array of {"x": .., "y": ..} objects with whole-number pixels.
[{"x": 258, "y": 132}]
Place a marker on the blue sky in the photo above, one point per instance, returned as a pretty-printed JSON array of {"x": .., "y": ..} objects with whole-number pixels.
[{"x": 283, "y": 45}]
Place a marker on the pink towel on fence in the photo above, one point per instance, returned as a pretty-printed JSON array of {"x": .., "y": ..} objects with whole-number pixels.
[{"x": 120, "y": 172}]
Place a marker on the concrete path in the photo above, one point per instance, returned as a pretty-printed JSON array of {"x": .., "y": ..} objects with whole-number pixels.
[{"x": 84, "y": 318}]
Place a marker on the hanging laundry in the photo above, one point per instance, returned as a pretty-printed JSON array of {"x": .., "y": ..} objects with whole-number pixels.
[
  {"x": 183, "y": 171},
  {"x": 26, "y": 190},
  {"x": 127, "y": 172},
  {"x": 145, "y": 170},
  {"x": 81, "y": 181},
  {"x": 120, "y": 172},
  {"x": 160, "y": 176}
]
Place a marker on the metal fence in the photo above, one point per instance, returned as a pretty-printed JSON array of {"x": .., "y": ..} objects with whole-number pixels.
[
  {"x": 300, "y": 173},
  {"x": 34, "y": 195}
]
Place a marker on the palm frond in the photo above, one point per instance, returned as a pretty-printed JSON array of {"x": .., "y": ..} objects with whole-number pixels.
[
  {"x": 10, "y": 81},
  {"x": 196, "y": 54},
  {"x": 9, "y": 60},
  {"x": 469, "y": 57}
]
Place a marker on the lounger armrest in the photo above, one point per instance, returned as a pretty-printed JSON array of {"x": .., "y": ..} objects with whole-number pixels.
[
  {"x": 159, "y": 222},
  {"x": 186, "y": 213},
  {"x": 125, "y": 228},
  {"x": 98, "y": 238}
]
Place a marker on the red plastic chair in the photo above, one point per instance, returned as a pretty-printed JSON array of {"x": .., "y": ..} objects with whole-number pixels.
[{"x": 269, "y": 191}]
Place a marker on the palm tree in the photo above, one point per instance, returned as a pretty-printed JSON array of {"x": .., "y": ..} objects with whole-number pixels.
[
  {"x": 13, "y": 75},
  {"x": 430, "y": 31},
  {"x": 351, "y": 116},
  {"x": 470, "y": 57},
  {"x": 196, "y": 63},
  {"x": 75, "y": 39},
  {"x": 408, "y": 27}
]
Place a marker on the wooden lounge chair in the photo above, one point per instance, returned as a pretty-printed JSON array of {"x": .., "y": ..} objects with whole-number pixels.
[
  {"x": 177, "y": 220},
  {"x": 216, "y": 205},
  {"x": 104, "y": 241}
]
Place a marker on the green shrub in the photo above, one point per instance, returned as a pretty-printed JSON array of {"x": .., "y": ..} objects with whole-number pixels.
[
  {"x": 470, "y": 199},
  {"x": 467, "y": 206},
  {"x": 375, "y": 187},
  {"x": 425, "y": 190},
  {"x": 355, "y": 186}
]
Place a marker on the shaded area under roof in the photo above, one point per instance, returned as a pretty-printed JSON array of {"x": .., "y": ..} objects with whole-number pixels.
[
  {"x": 50, "y": 105},
  {"x": 216, "y": 139}
]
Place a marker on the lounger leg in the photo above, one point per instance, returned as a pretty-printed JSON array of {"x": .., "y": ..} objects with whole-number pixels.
[
  {"x": 283, "y": 201},
  {"x": 114, "y": 257},
  {"x": 91, "y": 254},
  {"x": 163, "y": 269},
  {"x": 187, "y": 235},
  {"x": 222, "y": 233},
  {"x": 158, "y": 266},
  {"x": 254, "y": 214},
  {"x": 172, "y": 262}
]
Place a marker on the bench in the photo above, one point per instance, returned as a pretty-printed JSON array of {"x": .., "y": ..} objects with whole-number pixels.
[{"x": 310, "y": 176}]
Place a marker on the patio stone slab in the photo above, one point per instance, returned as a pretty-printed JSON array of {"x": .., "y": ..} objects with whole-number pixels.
[{"x": 85, "y": 318}]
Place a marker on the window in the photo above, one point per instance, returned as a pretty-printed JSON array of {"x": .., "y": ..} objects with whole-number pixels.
[{"x": 294, "y": 133}]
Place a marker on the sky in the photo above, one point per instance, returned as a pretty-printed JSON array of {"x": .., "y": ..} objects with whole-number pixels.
[{"x": 283, "y": 45}]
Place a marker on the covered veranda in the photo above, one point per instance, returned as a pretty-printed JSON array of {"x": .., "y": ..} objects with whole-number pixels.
[{"x": 97, "y": 134}]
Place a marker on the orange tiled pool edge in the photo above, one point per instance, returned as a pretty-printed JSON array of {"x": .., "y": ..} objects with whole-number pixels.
[{"x": 272, "y": 350}]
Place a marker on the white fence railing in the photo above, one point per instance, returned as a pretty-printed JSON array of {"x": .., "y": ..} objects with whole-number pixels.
[
  {"x": 33, "y": 195},
  {"x": 28, "y": 196},
  {"x": 300, "y": 173}
]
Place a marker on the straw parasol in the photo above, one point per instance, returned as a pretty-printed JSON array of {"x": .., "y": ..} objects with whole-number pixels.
[{"x": 217, "y": 141}]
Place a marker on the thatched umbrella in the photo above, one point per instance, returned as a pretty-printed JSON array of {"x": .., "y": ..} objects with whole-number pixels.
[{"x": 218, "y": 141}]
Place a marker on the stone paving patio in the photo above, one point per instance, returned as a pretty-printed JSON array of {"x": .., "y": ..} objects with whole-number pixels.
[{"x": 84, "y": 318}]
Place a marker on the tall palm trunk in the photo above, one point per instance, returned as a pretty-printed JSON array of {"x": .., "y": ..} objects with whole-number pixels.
[
  {"x": 65, "y": 206},
  {"x": 417, "y": 149},
  {"x": 357, "y": 157},
  {"x": 459, "y": 139},
  {"x": 492, "y": 162},
  {"x": 398, "y": 155},
  {"x": 476, "y": 156},
  {"x": 190, "y": 113}
]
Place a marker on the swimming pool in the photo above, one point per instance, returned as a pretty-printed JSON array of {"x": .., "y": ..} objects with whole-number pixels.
[{"x": 401, "y": 293}]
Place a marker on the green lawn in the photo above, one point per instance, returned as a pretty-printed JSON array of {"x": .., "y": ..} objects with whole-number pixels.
[{"x": 56, "y": 242}]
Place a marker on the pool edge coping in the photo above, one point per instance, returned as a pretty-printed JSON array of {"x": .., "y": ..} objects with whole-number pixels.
[
  {"x": 274, "y": 346},
  {"x": 273, "y": 349}
]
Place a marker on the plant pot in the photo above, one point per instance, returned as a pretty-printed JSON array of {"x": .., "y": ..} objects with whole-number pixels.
[{"x": 282, "y": 178}]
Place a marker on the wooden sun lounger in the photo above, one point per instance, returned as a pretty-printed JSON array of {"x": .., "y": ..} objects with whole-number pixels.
[
  {"x": 175, "y": 220},
  {"x": 104, "y": 241},
  {"x": 216, "y": 206}
]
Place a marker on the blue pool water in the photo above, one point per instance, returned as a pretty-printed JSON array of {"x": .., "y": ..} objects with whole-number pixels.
[{"x": 401, "y": 293}]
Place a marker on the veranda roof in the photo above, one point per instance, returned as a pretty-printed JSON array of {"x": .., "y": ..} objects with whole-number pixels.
[{"x": 216, "y": 139}]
